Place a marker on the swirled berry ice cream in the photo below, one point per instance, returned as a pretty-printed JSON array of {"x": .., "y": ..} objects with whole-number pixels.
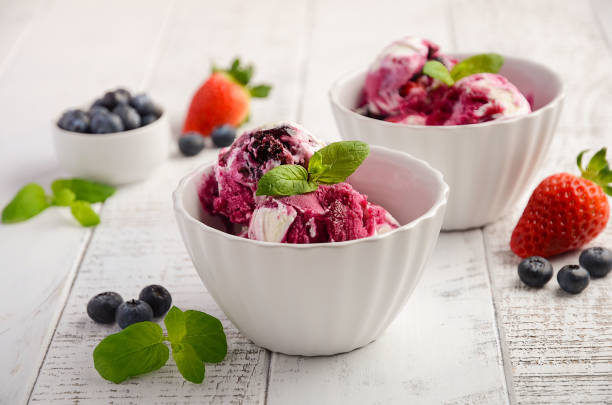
[
  {"x": 230, "y": 192},
  {"x": 479, "y": 98},
  {"x": 331, "y": 213},
  {"x": 397, "y": 90},
  {"x": 394, "y": 84}
]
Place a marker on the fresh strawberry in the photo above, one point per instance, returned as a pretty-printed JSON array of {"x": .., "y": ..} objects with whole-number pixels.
[
  {"x": 224, "y": 98},
  {"x": 565, "y": 212}
]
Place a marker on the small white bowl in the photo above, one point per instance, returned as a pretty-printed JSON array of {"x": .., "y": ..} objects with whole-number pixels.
[
  {"x": 115, "y": 158},
  {"x": 488, "y": 166},
  {"x": 323, "y": 298}
]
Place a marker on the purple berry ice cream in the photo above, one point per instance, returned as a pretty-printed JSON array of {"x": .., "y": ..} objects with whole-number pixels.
[
  {"x": 331, "y": 213},
  {"x": 396, "y": 89}
]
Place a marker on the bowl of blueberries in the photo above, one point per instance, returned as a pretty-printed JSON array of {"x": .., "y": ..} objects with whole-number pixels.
[{"x": 121, "y": 138}]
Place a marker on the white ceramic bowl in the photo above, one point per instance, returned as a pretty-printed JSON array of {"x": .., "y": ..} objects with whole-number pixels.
[
  {"x": 487, "y": 166},
  {"x": 116, "y": 158},
  {"x": 324, "y": 298}
]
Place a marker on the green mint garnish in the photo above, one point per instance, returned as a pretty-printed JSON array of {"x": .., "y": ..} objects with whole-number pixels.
[
  {"x": 437, "y": 70},
  {"x": 242, "y": 75},
  {"x": 285, "y": 180},
  {"x": 84, "y": 190},
  {"x": 482, "y": 63},
  {"x": 63, "y": 197},
  {"x": 27, "y": 203},
  {"x": 82, "y": 212},
  {"x": 195, "y": 338},
  {"x": 329, "y": 165},
  {"x": 77, "y": 194},
  {"x": 138, "y": 349},
  {"x": 597, "y": 170}
]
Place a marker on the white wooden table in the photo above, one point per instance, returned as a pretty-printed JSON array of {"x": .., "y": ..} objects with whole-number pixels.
[{"x": 471, "y": 333}]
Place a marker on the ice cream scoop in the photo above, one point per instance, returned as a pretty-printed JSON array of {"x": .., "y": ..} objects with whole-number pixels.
[
  {"x": 231, "y": 190},
  {"x": 479, "y": 98},
  {"x": 332, "y": 213},
  {"x": 399, "y": 64}
]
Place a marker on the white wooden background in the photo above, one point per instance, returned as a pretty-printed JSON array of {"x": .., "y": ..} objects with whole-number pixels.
[{"x": 471, "y": 333}]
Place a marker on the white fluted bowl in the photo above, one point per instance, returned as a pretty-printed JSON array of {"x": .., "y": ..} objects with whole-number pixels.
[
  {"x": 116, "y": 158},
  {"x": 488, "y": 166},
  {"x": 323, "y": 298}
]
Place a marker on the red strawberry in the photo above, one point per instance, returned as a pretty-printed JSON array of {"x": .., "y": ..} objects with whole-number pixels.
[
  {"x": 223, "y": 99},
  {"x": 565, "y": 212}
]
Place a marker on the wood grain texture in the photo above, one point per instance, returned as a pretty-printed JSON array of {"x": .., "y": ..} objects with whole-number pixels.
[
  {"x": 442, "y": 348},
  {"x": 138, "y": 241},
  {"x": 45, "y": 69},
  {"x": 559, "y": 346}
]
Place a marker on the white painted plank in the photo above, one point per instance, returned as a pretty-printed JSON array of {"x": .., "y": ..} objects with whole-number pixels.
[
  {"x": 559, "y": 346},
  {"x": 441, "y": 349},
  {"x": 138, "y": 242},
  {"x": 63, "y": 57}
]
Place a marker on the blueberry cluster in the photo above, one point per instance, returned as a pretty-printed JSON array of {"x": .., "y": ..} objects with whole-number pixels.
[
  {"x": 116, "y": 111},
  {"x": 192, "y": 143},
  {"x": 594, "y": 262},
  {"x": 108, "y": 307}
]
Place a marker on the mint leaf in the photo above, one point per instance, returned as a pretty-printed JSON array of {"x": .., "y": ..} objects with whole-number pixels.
[
  {"x": 260, "y": 91},
  {"x": 437, "y": 70},
  {"x": 285, "y": 180},
  {"x": 201, "y": 331},
  {"x": 205, "y": 334},
  {"x": 335, "y": 162},
  {"x": 175, "y": 324},
  {"x": 84, "y": 190},
  {"x": 188, "y": 362},
  {"x": 597, "y": 170},
  {"x": 28, "y": 202},
  {"x": 82, "y": 212},
  {"x": 63, "y": 197},
  {"x": 138, "y": 349},
  {"x": 482, "y": 63}
]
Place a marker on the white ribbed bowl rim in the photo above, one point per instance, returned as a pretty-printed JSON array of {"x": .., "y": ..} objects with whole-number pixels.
[{"x": 440, "y": 203}]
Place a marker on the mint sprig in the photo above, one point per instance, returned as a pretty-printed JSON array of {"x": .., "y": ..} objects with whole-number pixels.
[
  {"x": 27, "y": 203},
  {"x": 78, "y": 194},
  {"x": 195, "y": 337},
  {"x": 329, "y": 165},
  {"x": 481, "y": 63}
]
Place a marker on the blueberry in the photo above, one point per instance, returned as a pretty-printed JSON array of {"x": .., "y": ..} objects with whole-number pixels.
[
  {"x": 113, "y": 98},
  {"x": 98, "y": 103},
  {"x": 133, "y": 311},
  {"x": 97, "y": 109},
  {"x": 128, "y": 115},
  {"x": 102, "y": 307},
  {"x": 147, "y": 119},
  {"x": 223, "y": 135},
  {"x": 191, "y": 143},
  {"x": 157, "y": 297},
  {"x": 535, "y": 271},
  {"x": 143, "y": 104},
  {"x": 157, "y": 110},
  {"x": 74, "y": 120},
  {"x": 573, "y": 278},
  {"x": 597, "y": 261},
  {"x": 122, "y": 96},
  {"x": 104, "y": 123}
]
